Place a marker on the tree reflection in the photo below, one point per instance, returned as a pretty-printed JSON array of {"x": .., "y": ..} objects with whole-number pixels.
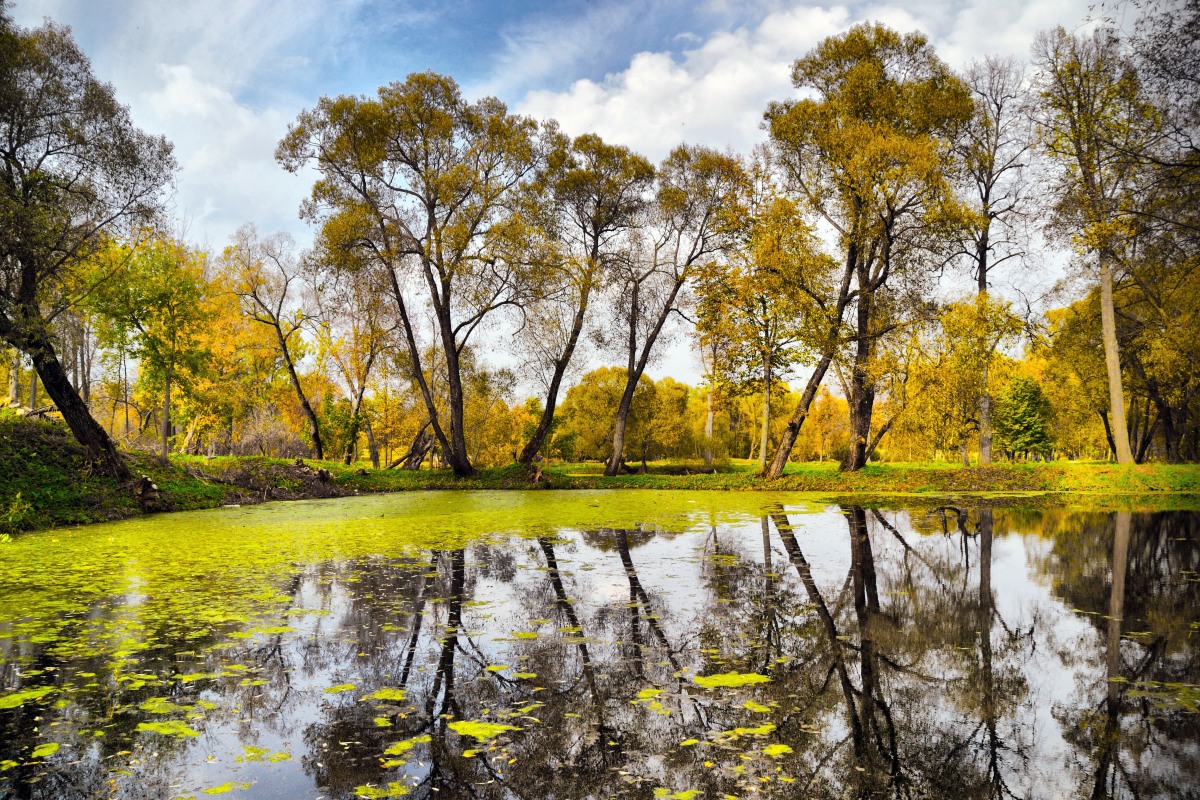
[{"x": 892, "y": 654}]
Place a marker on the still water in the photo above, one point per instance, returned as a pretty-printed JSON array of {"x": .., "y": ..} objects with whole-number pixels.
[{"x": 596, "y": 645}]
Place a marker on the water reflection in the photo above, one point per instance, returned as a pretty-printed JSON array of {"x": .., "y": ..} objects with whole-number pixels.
[{"x": 953, "y": 652}]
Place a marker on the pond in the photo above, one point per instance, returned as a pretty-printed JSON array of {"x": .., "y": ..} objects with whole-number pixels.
[{"x": 603, "y": 644}]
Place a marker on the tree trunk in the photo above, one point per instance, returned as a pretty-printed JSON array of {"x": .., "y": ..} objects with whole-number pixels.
[
  {"x": 708, "y": 428},
  {"x": 14, "y": 378},
  {"x": 779, "y": 461},
  {"x": 166, "y": 418},
  {"x": 617, "y": 458},
  {"x": 764, "y": 439},
  {"x": 314, "y": 429},
  {"x": 792, "y": 431},
  {"x": 862, "y": 392},
  {"x": 372, "y": 447},
  {"x": 985, "y": 422},
  {"x": 534, "y": 445},
  {"x": 1112, "y": 361},
  {"x": 966, "y": 457},
  {"x": 456, "y": 456},
  {"x": 100, "y": 449},
  {"x": 33, "y": 393}
]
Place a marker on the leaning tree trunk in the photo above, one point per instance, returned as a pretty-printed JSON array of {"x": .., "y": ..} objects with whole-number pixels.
[
  {"x": 618, "y": 454},
  {"x": 100, "y": 449},
  {"x": 1112, "y": 363},
  {"x": 314, "y": 429}
]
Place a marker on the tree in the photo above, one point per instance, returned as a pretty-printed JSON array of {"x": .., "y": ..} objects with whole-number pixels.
[
  {"x": 994, "y": 150},
  {"x": 74, "y": 172},
  {"x": 424, "y": 182},
  {"x": 696, "y": 187},
  {"x": 758, "y": 300},
  {"x": 1023, "y": 418},
  {"x": 351, "y": 326},
  {"x": 1094, "y": 123},
  {"x": 585, "y": 427},
  {"x": 153, "y": 306},
  {"x": 262, "y": 272},
  {"x": 591, "y": 193},
  {"x": 868, "y": 154}
]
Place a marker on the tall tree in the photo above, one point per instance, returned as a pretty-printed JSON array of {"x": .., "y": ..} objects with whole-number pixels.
[
  {"x": 869, "y": 154},
  {"x": 424, "y": 182},
  {"x": 759, "y": 299},
  {"x": 351, "y": 324},
  {"x": 994, "y": 151},
  {"x": 593, "y": 193},
  {"x": 697, "y": 186},
  {"x": 263, "y": 272},
  {"x": 154, "y": 307},
  {"x": 1094, "y": 123},
  {"x": 74, "y": 171}
]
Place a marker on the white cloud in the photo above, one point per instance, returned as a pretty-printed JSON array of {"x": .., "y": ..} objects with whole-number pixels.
[
  {"x": 715, "y": 94},
  {"x": 228, "y": 173}
]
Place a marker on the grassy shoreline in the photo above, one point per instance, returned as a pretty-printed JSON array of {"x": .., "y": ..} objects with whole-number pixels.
[{"x": 45, "y": 481}]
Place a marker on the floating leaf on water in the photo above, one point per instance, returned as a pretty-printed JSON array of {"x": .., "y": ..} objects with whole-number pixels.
[
  {"x": 171, "y": 727},
  {"x": 646, "y": 694},
  {"x": 762, "y": 730},
  {"x": 525, "y": 635},
  {"x": 483, "y": 731},
  {"x": 497, "y": 668},
  {"x": 776, "y": 750},
  {"x": 226, "y": 787},
  {"x": 525, "y": 675},
  {"x": 8, "y": 764},
  {"x": 43, "y": 750},
  {"x": 161, "y": 705},
  {"x": 386, "y": 693},
  {"x": 730, "y": 680},
  {"x": 341, "y": 687},
  {"x": 689, "y": 742},
  {"x": 383, "y": 722},
  {"x": 753, "y": 706},
  {"x": 253, "y": 753},
  {"x": 393, "y": 789},
  {"x": 195, "y": 676},
  {"x": 667, "y": 794},
  {"x": 17, "y": 698},
  {"x": 404, "y": 746}
]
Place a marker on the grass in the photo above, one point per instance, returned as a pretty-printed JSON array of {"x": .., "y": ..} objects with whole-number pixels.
[{"x": 45, "y": 480}]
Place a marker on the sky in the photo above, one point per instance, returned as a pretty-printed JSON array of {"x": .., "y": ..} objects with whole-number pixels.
[{"x": 222, "y": 79}]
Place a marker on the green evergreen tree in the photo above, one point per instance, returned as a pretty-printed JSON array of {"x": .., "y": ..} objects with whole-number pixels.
[{"x": 1022, "y": 419}]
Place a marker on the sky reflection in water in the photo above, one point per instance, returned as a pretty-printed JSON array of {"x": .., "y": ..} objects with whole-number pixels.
[{"x": 531, "y": 645}]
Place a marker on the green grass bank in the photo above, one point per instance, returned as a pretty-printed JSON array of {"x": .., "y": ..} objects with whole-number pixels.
[{"x": 45, "y": 481}]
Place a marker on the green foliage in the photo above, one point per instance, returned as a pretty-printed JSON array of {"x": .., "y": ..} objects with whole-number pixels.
[{"x": 1022, "y": 418}]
